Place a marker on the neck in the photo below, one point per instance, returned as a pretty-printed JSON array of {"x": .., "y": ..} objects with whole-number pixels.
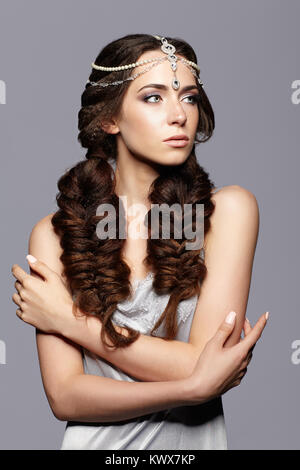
[{"x": 134, "y": 177}]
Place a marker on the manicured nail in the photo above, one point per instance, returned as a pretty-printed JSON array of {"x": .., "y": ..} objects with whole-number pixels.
[
  {"x": 267, "y": 315},
  {"x": 230, "y": 317},
  {"x": 31, "y": 258}
]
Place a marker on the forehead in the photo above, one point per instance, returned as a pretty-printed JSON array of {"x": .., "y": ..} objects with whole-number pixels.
[{"x": 161, "y": 72}]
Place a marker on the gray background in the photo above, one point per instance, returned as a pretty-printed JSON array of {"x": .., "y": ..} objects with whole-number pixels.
[{"x": 248, "y": 53}]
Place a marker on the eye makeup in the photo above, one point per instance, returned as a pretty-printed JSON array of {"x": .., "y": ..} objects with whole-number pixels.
[{"x": 195, "y": 97}]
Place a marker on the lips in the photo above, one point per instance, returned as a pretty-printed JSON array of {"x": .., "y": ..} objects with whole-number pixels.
[
  {"x": 176, "y": 142},
  {"x": 177, "y": 137}
]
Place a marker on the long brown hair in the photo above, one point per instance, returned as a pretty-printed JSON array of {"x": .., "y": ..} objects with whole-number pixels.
[{"x": 94, "y": 268}]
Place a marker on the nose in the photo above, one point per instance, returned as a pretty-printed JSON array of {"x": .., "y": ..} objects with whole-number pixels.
[{"x": 176, "y": 113}]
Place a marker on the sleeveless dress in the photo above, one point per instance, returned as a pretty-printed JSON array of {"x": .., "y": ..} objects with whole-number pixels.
[{"x": 198, "y": 427}]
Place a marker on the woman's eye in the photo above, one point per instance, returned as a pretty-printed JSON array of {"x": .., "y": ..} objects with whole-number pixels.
[
  {"x": 150, "y": 96},
  {"x": 194, "y": 98}
]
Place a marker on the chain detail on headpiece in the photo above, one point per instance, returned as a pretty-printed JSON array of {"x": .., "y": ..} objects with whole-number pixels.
[{"x": 168, "y": 49}]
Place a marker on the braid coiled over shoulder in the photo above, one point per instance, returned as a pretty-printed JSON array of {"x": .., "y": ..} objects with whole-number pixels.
[{"x": 179, "y": 270}]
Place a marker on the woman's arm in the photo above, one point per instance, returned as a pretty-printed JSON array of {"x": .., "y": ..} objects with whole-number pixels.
[
  {"x": 229, "y": 253},
  {"x": 74, "y": 395},
  {"x": 61, "y": 362},
  {"x": 148, "y": 358},
  {"x": 90, "y": 398}
]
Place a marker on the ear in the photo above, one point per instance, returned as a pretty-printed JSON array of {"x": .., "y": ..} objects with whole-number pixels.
[{"x": 110, "y": 127}]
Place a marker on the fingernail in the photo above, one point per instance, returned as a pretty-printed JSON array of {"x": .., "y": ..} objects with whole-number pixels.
[
  {"x": 267, "y": 315},
  {"x": 247, "y": 320},
  {"x": 230, "y": 317},
  {"x": 31, "y": 258}
]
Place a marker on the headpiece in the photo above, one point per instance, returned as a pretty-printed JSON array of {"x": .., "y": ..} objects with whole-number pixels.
[{"x": 168, "y": 49}]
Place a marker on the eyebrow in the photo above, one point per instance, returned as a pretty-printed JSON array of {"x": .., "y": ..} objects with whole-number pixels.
[{"x": 164, "y": 87}]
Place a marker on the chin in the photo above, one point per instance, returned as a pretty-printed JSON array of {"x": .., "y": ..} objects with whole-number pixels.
[
  {"x": 168, "y": 159},
  {"x": 174, "y": 159}
]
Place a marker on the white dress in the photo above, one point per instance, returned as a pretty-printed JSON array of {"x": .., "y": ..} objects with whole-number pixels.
[{"x": 182, "y": 428}]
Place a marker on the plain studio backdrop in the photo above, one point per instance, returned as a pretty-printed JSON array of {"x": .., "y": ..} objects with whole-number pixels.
[{"x": 248, "y": 52}]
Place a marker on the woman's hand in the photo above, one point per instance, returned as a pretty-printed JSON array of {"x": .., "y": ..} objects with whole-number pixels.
[
  {"x": 44, "y": 303},
  {"x": 221, "y": 368}
]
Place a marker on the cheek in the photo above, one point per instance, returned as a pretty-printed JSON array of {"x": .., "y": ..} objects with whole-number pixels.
[
  {"x": 139, "y": 116},
  {"x": 130, "y": 124},
  {"x": 193, "y": 114},
  {"x": 151, "y": 122},
  {"x": 146, "y": 123},
  {"x": 194, "y": 119},
  {"x": 139, "y": 129}
]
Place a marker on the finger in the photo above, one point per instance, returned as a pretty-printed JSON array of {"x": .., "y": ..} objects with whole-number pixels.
[
  {"x": 17, "y": 299},
  {"x": 247, "y": 327},
  {"x": 40, "y": 267},
  {"x": 19, "y": 313},
  {"x": 19, "y": 273},
  {"x": 253, "y": 336},
  {"x": 225, "y": 329},
  {"x": 18, "y": 286}
]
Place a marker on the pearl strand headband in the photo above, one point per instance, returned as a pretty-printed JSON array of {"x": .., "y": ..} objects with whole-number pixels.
[{"x": 168, "y": 49}]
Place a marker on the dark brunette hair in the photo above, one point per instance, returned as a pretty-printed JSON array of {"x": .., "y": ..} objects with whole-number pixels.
[{"x": 95, "y": 271}]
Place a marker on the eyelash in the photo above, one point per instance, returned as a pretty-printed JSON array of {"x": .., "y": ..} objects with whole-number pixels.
[{"x": 195, "y": 96}]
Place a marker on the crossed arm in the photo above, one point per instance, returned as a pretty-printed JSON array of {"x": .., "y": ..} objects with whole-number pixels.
[{"x": 229, "y": 254}]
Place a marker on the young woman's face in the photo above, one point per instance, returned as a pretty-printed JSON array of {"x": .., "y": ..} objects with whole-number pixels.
[{"x": 149, "y": 115}]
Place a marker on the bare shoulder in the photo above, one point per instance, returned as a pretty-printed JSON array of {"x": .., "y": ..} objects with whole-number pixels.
[
  {"x": 44, "y": 244},
  {"x": 236, "y": 208},
  {"x": 235, "y": 200},
  {"x": 44, "y": 231},
  {"x": 235, "y": 196},
  {"x": 44, "y": 224}
]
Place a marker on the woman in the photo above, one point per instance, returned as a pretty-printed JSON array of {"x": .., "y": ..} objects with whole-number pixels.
[{"x": 131, "y": 354}]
